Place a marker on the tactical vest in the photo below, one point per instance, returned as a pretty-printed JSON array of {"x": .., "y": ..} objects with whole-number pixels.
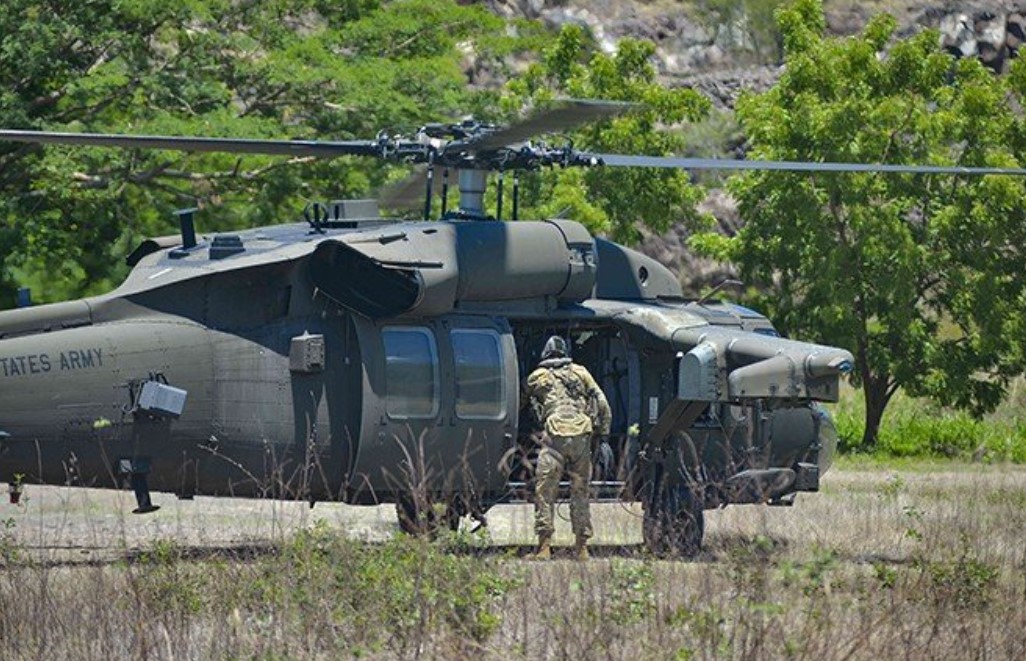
[{"x": 565, "y": 402}]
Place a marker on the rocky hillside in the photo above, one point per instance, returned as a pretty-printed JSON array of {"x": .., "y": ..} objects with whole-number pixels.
[{"x": 722, "y": 47}]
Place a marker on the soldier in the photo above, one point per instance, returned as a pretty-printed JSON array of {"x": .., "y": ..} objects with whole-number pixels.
[{"x": 572, "y": 410}]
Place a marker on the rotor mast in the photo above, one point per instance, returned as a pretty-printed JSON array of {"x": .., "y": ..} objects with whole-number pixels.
[{"x": 472, "y": 185}]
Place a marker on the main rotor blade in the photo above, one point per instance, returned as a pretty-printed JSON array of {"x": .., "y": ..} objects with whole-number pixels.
[
  {"x": 621, "y": 160},
  {"x": 408, "y": 193},
  {"x": 322, "y": 149},
  {"x": 566, "y": 115}
]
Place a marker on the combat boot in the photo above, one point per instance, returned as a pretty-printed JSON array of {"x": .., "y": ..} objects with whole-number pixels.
[
  {"x": 544, "y": 551},
  {"x": 581, "y": 548}
]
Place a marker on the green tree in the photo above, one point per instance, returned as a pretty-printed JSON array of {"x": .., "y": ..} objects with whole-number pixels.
[
  {"x": 270, "y": 69},
  {"x": 611, "y": 200},
  {"x": 921, "y": 276}
]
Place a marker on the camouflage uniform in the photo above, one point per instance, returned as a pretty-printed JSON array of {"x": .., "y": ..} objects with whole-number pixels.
[{"x": 572, "y": 409}]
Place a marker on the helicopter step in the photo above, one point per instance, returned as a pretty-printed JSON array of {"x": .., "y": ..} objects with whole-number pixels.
[
  {"x": 771, "y": 484},
  {"x": 610, "y": 491}
]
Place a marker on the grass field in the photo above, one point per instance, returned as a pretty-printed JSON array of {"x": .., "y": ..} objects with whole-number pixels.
[
  {"x": 885, "y": 562},
  {"x": 919, "y": 428}
]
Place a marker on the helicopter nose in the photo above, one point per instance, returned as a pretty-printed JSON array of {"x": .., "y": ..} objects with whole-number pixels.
[{"x": 827, "y": 438}]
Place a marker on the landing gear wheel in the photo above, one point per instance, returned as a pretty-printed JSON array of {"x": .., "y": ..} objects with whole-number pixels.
[{"x": 674, "y": 522}]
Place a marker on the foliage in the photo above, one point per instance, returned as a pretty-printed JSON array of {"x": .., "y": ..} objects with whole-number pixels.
[
  {"x": 9, "y": 552},
  {"x": 393, "y": 596},
  {"x": 282, "y": 69},
  {"x": 813, "y": 576},
  {"x": 919, "y": 275},
  {"x": 634, "y": 584},
  {"x": 919, "y": 429},
  {"x": 614, "y": 200},
  {"x": 966, "y": 583}
]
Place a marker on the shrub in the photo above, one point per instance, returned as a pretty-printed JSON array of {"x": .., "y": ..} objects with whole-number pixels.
[{"x": 914, "y": 428}]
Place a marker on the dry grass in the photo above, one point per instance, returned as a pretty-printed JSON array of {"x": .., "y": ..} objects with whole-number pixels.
[{"x": 883, "y": 563}]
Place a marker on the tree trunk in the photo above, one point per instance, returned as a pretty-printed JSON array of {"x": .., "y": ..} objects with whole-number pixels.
[{"x": 877, "y": 397}]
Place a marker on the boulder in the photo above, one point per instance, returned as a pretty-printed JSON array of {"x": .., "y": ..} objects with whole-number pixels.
[{"x": 957, "y": 35}]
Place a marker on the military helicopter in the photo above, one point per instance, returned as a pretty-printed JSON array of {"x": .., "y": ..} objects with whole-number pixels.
[{"x": 352, "y": 357}]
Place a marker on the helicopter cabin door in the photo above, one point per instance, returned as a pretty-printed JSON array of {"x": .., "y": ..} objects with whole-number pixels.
[{"x": 440, "y": 406}]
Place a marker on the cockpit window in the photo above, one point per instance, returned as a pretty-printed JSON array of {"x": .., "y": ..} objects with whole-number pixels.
[
  {"x": 411, "y": 372},
  {"x": 480, "y": 386}
]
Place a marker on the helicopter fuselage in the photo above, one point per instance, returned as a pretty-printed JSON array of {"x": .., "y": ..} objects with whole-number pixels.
[{"x": 350, "y": 363}]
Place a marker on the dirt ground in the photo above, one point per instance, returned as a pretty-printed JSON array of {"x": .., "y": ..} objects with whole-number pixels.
[
  {"x": 913, "y": 561},
  {"x": 866, "y": 512}
]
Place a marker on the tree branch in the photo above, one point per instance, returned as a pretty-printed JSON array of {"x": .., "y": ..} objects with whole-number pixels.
[
  {"x": 247, "y": 175},
  {"x": 265, "y": 100},
  {"x": 406, "y": 42}
]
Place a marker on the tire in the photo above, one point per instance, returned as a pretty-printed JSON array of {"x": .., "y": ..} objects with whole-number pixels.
[{"x": 674, "y": 522}]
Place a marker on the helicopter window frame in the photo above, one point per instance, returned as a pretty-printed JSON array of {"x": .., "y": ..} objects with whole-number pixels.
[
  {"x": 498, "y": 406},
  {"x": 397, "y": 405}
]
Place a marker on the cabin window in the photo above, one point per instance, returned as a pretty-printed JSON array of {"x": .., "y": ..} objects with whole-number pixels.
[
  {"x": 411, "y": 372},
  {"x": 480, "y": 382}
]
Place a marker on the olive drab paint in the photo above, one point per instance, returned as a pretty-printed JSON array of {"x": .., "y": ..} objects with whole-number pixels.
[
  {"x": 258, "y": 421},
  {"x": 41, "y": 363}
]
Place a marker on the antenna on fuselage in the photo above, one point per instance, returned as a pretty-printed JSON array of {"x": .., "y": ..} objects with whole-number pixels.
[
  {"x": 728, "y": 282},
  {"x": 187, "y": 226}
]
